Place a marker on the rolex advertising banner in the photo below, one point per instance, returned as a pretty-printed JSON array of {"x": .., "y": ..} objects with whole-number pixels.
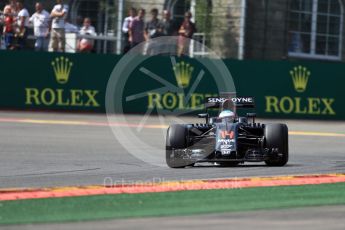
[
  {"x": 45, "y": 81},
  {"x": 291, "y": 89},
  {"x": 78, "y": 82}
]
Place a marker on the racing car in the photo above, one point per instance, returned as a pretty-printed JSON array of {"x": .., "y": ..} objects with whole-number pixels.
[{"x": 227, "y": 139}]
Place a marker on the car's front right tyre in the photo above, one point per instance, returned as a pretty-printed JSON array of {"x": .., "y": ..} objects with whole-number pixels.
[{"x": 176, "y": 139}]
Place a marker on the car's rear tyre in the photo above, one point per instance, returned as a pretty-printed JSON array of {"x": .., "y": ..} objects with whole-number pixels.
[
  {"x": 276, "y": 136},
  {"x": 176, "y": 139}
]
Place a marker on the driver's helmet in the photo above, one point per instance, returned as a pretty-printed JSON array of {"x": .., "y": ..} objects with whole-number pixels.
[{"x": 226, "y": 114}]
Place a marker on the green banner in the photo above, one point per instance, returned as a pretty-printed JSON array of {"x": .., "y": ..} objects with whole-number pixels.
[
  {"x": 78, "y": 82},
  {"x": 56, "y": 81},
  {"x": 288, "y": 89}
]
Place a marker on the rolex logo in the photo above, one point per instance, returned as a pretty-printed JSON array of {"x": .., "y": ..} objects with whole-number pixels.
[
  {"x": 300, "y": 76},
  {"x": 62, "y": 68},
  {"x": 183, "y": 73}
]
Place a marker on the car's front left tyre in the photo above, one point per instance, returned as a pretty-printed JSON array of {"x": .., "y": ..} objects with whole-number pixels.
[{"x": 277, "y": 137}]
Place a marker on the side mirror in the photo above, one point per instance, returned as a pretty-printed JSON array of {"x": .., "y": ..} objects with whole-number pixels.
[
  {"x": 251, "y": 115},
  {"x": 204, "y": 115}
]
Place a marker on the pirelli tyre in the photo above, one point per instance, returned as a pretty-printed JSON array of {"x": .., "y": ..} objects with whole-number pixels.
[
  {"x": 176, "y": 140},
  {"x": 276, "y": 136}
]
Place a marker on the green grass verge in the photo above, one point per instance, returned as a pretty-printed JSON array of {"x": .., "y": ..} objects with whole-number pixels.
[{"x": 170, "y": 203}]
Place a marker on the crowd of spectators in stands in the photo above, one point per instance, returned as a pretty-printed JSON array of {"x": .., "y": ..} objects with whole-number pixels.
[
  {"x": 136, "y": 30},
  {"x": 49, "y": 29}
]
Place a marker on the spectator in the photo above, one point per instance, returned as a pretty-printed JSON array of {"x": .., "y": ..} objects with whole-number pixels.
[
  {"x": 22, "y": 25},
  {"x": 151, "y": 28},
  {"x": 13, "y": 5},
  {"x": 41, "y": 23},
  {"x": 152, "y": 31},
  {"x": 57, "y": 37},
  {"x": 125, "y": 28},
  {"x": 166, "y": 26},
  {"x": 186, "y": 31},
  {"x": 85, "y": 45},
  {"x": 8, "y": 29},
  {"x": 11, "y": 9},
  {"x": 137, "y": 29}
]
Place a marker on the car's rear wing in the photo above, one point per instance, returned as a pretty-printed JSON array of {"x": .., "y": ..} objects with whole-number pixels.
[{"x": 230, "y": 102}]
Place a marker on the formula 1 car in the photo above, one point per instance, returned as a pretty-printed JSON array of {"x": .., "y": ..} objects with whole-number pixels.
[{"x": 227, "y": 139}]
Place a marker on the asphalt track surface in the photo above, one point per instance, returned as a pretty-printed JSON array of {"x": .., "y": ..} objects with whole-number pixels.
[{"x": 56, "y": 149}]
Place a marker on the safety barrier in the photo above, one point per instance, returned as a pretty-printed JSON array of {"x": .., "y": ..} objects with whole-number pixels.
[{"x": 77, "y": 82}]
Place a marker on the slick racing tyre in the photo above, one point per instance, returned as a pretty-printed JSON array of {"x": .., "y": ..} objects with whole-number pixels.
[
  {"x": 276, "y": 136},
  {"x": 176, "y": 140}
]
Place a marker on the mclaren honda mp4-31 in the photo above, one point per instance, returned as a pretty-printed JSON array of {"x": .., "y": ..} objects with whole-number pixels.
[{"x": 227, "y": 139}]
